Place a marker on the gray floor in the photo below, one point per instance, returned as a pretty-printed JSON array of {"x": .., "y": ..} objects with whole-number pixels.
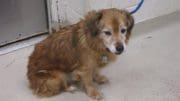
[{"x": 148, "y": 71}]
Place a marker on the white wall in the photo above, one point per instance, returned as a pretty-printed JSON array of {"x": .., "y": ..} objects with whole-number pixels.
[
  {"x": 65, "y": 12},
  {"x": 155, "y": 8},
  {"x": 100, "y": 4},
  {"x": 70, "y": 11},
  {"x": 150, "y": 8}
]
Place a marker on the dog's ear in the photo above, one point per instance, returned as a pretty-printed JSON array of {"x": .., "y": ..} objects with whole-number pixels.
[
  {"x": 92, "y": 20},
  {"x": 129, "y": 21}
]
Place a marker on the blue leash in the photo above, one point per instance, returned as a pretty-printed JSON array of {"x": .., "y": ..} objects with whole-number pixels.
[{"x": 138, "y": 7}]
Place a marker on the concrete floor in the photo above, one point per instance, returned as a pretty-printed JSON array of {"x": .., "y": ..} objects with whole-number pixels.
[{"x": 148, "y": 71}]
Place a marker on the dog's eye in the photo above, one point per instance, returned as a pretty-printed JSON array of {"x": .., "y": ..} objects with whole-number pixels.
[
  {"x": 107, "y": 32},
  {"x": 123, "y": 31}
]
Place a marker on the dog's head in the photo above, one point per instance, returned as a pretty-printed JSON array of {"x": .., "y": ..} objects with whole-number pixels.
[{"x": 112, "y": 26}]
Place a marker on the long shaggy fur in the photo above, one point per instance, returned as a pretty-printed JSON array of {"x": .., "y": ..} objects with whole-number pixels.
[{"x": 74, "y": 53}]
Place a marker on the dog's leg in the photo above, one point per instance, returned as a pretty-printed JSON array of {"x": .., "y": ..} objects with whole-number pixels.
[
  {"x": 87, "y": 82},
  {"x": 100, "y": 79},
  {"x": 71, "y": 89}
]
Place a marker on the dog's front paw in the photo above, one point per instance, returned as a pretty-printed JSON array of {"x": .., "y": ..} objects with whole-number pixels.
[
  {"x": 101, "y": 79},
  {"x": 93, "y": 93},
  {"x": 96, "y": 100},
  {"x": 71, "y": 89}
]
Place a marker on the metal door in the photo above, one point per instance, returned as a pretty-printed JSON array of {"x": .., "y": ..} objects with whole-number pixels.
[{"x": 21, "y": 19}]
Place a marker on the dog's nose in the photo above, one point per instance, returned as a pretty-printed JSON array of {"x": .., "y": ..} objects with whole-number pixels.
[{"x": 120, "y": 48}]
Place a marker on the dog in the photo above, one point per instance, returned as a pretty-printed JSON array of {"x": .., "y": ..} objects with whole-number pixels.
[{"x": 77, "y": 53}]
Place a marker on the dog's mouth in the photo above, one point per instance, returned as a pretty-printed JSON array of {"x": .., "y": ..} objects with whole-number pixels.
[{"x": 117, "y": 53}]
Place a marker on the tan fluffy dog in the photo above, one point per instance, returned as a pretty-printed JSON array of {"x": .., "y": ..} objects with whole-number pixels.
[{"x": 78, "y": 51}]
